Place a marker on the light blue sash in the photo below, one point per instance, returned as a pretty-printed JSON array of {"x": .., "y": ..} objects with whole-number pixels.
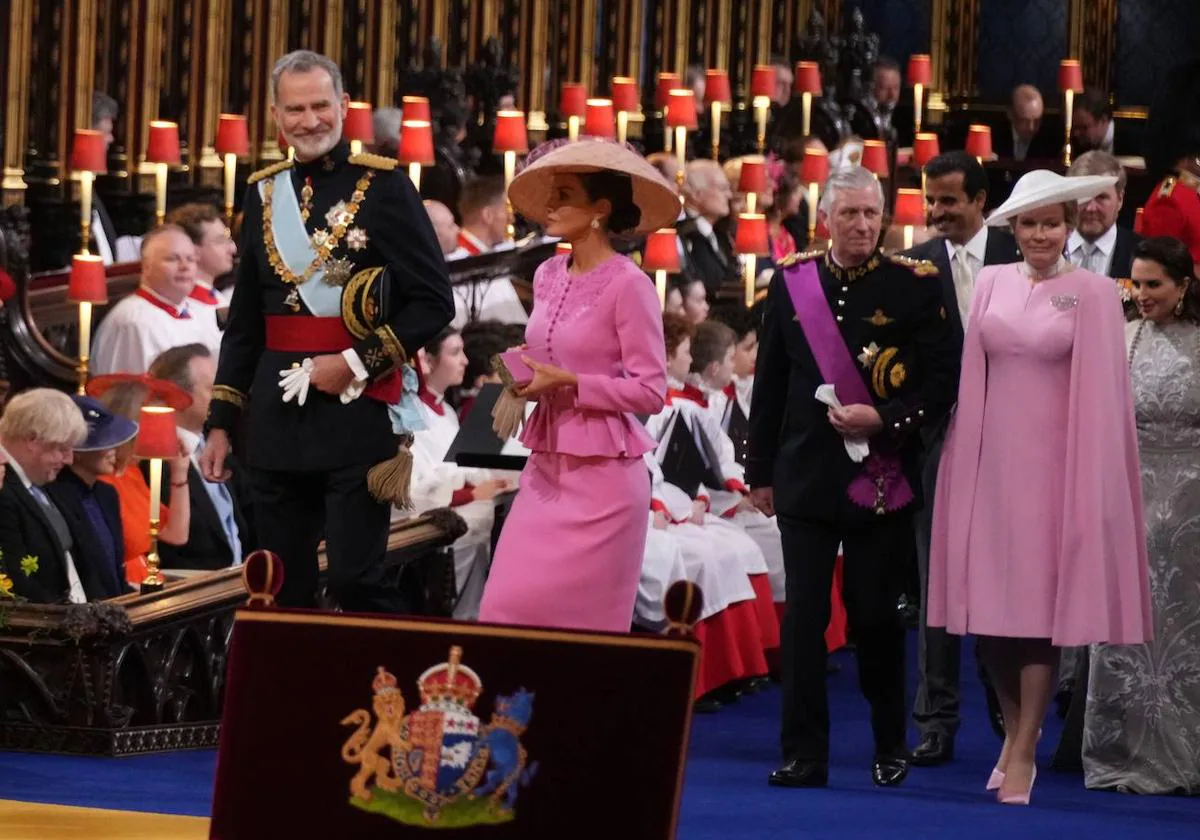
[
  {"x": 296, "y": 250},
  {"x": 323, "y": 300}
]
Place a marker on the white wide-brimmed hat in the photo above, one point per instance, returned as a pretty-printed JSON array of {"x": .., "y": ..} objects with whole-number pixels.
[
  {"x": 659, "y": 202},
  {"x": 1043, "y": 188}
]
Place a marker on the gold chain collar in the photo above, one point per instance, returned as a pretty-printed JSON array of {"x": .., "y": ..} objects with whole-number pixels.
[
  {"x": 327, "y": 245},
  {"x": 849, "y": 275}
]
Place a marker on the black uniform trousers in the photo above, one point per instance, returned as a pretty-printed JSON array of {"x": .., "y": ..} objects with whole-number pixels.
[
  {"x": 294, "y": 510},
  {"x": 939, "y": 654},
  {"x": 872, "y": 578}
]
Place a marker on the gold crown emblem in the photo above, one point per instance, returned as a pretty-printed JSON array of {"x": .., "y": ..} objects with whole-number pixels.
[
  {"x": 384, "y": 681},
  {"x": 451, "y": 681}
]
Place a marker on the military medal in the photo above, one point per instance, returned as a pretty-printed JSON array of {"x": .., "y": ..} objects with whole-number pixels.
[
  {"x": 306, "y": 194},
  {"x": 292, "y": 301},
  {"x": 319, "y": 238},
  {"x": 356, "y": 239},
  {"x": 337, "y": 272},
  {"x": 337, "y": 214},
  {"x": 867, "y": 357}
]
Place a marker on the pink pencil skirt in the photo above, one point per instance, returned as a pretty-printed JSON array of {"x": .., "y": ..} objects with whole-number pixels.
[{"x": 570, "y": 554}]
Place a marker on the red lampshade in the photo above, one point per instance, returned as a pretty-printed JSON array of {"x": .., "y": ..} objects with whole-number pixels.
[
  {"x": 716, "y": 88},
  {"x": 598, "y": 122},
  {"x": 573, "y": 100},
  {"x": 662, "y": 252},
  {"x": 233, "y": 137},
  {"x": 1070, "y": 75},
  {"x": 163, "y": 145},
  {"x": 925, "y": 148},
  {"x": 920, "y": 70},
  {"x": 510, "y": 133},
  {"x": 87, "y": 151},
  {"x": 762, "y": 81},
  {"x": 625, "y": 93},
  {"x": 979, "y": 141},
  {"x": 822, "y": 231},
  {"x": 752, "y": 235},
  {"x": 416, "y": 143},
  {"x": 415, "y": 108},
  {"x": 667, "y": 82},
  {"x": 808, "y": 78},
  {"x": 88, "y": 283},
  {"x": 875, "y": 157},
  {"x": 1137, "y": 221},
  {"x": 358, "y": 124},
  {"x": 156, "y": 437},
  {"x": 681, "y": 109},
  {"x": 815, "y": 169},
  {"x": 910, "y": 208},
  {"x": 754, "y": 175}
]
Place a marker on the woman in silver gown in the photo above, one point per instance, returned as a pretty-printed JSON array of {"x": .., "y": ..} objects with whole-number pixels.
[{"x": 1142, "y": 726}]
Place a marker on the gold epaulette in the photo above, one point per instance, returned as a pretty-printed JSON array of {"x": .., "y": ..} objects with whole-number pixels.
[
  {"x": 273, "y": 169},
  {"x": 801, "y": 256},
  {"x": 921, "y": 268},
  {"x": 1168, "y": 186},
  {"x": 374, "y": 161}
]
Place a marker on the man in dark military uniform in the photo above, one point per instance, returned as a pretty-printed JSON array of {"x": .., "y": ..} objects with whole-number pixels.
[
  {"x": 874, "y": 327},
  {"x": 340, "y": 282}
]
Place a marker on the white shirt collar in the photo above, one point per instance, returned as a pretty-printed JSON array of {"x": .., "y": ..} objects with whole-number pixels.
[
  {"x": 976, "y": 246},
  {"x": 16, "y": 468},
  {"x": 1107, "y": 143},
  {"x": 1107, "y": 242},
  {"x": 190, "y": 440},
  {"x": 698, "y": 381},
  {"x": 704, "y": 226}
]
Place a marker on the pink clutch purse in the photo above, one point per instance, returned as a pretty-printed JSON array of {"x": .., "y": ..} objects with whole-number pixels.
[{"x": 512, "y": 369}]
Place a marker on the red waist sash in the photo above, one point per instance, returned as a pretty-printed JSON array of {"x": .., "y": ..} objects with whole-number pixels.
[{"x": 313, "y": 336}]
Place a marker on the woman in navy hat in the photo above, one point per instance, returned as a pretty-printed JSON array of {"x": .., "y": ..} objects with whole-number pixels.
[{"x": 92, "y": 504}]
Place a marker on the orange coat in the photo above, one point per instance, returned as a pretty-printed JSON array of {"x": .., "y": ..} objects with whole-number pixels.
[{"x": 134, "y": 494}]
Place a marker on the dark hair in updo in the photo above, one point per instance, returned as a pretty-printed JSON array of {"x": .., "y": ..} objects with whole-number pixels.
[
  {"x": 1176, "y": 261},
  {"x": 617, "y": 187}
]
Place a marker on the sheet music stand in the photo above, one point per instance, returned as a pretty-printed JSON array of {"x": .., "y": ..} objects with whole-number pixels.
[{"x": 476, "y": 445}]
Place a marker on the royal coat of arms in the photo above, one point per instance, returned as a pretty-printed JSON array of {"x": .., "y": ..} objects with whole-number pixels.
[{"x": 439, "y": 766}]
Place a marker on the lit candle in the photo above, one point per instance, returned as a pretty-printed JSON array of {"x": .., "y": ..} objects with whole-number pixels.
[
  {"x": 510, "y": 168},
  {"x": 573, "y": 127},
  {"x": 85, "y": 203},
  {"x": 85, "y": 342},
  {"x": 806, "y": 106},
  {"x": 761, "y": 106},
  {"x": 356, "y": 147},
  {"x": 414, "y": 175},
  {"x": 230, "y": 177},
  {"x": 160, "y": 192},
  {"x": 155, "y": 488},
  {"x": 622, "y": 126},
  {"x": 748, "y": 262},
  {"x": 660, "y": 285}
]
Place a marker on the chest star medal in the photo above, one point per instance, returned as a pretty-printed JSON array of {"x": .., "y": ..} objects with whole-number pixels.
[
  {"x": 336, "y": 215},
  {"x": 867, "y": 357},
  {"x": 292, "y": 301},
  {"x": 337, "y": 272},
  {"x": 356, "y": 239}
]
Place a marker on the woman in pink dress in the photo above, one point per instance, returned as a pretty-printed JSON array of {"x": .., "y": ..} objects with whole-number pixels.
[
  {"x": 571, "y": 551},
  {"x": 1038, "y": 537}
]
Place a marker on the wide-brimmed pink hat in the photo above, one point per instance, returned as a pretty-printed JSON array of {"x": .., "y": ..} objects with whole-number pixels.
[{"x": 656, "y": 199}]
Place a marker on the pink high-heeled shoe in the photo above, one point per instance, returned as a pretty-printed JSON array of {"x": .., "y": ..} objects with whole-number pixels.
[
  {"x": 995, "y": 780},
  {"x": 1019, "y": 798}
]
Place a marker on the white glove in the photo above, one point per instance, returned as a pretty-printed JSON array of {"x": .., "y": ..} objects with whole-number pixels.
[
  {"x": 353, "y": 391},
  {"x": 294, "y": 381},
  {"x": 856, "y": 449}
]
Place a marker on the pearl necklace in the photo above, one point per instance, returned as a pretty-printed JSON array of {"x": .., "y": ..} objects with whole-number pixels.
[{"x": 1137, "y": 337}]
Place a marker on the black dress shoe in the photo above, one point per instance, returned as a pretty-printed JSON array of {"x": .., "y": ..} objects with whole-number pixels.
[
  {"x": 888, "y": 772},
  {"x": 707, "y": 705},
  {"x": 800, "y": 774},
  {"x": 935, "y": 748}
]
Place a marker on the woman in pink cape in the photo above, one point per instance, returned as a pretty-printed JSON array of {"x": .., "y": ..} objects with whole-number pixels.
[
  {"x": 1038, "y": 541},
  {"x": 571, "y": 551}
]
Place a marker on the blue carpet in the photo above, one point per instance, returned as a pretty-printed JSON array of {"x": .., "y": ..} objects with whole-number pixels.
[{"x": 726, "y": 794}]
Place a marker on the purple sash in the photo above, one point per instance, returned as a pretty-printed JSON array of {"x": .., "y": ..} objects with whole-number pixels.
[{"x": 882, "y": 485}]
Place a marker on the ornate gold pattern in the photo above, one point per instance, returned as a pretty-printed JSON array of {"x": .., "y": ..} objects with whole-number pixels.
[
  {"x": 921, "y": 268},
  {"x": 879, "y": 372},
  {"x": 392, "y": 345},
  {"x": 327, "y": 246},
  {"x": 359, "y": 286},
  {"x": 849, "y": 275},
  {"x": 897, "y": 374},
  {"x": 272, "y": 170},
  {"x": 879, "y": 319},
  {"x": 306, "y": 194},
  {"x": 372, "y": 161},
  {"x": 229, "y": 395}
]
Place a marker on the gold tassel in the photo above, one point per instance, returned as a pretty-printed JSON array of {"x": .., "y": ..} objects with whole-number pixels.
[
  {"x": 508, "y": 414},
  {"x": 390, "y": 481}
]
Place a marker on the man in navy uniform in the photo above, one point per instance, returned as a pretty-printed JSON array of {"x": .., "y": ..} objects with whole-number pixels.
[
  {"x": 838, "y": 465},
  {"x": 340, "y": 282}
]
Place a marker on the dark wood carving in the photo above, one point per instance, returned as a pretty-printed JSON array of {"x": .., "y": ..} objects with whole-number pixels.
[{"x": 146, "y": 673}]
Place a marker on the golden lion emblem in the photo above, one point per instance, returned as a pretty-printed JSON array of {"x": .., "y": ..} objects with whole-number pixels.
[{"x": 366, "y": 746}]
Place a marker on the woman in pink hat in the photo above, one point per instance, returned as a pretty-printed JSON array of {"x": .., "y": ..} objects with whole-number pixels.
[
  {"x": 571, "y": 551},
  {"x": 1038, "y": 541}
]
